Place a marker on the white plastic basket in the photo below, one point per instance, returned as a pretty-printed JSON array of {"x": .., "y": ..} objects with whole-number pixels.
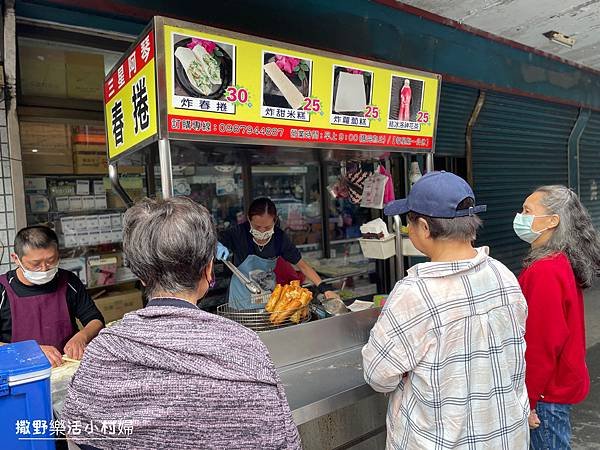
[{"x": 379, "y": 248}]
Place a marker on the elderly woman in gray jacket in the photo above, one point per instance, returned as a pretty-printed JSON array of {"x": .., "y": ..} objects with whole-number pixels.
[{"x": 171, "y": 375}]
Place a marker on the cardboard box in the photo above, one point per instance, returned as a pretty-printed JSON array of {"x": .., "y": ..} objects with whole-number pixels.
[
  {"x": 101, "y": 270},
  {"x": 75, "y": 203},
  {"x": 129, "y": 183},
  {"x": 89, "y": 148},
  {"x": 46, "y": 137},
  {"x": 100, "y": 202},
  {"x": 62, "y": 204},
  {"x": 75, "y": 265},
  {"x": 35, "y": 184},
  {"x": 90, "y": 159},
  {"x": 123, "y": 168},
  {"x": 62, "y": 190},
  {"x": 88, "y": 134},
  {"x": 45, "y": 148},
  {"x": 90, "y": 164},
  {"x": 115, "y": 305},
  {"x": 115, "y": 202},
  {"x": 116, "y": 222},
  {"x": 85, "y": 75},
  {"x": 43, "y": 71},
  {"x": 89, "y": 202}
]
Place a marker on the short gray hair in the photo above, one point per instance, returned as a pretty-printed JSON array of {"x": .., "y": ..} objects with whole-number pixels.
[
  {"x": 34, "y": 237},
  {"x": 574, "y": 236},
  {"x": 462, "y": 229},
  {"x": 168, "y": 243}
]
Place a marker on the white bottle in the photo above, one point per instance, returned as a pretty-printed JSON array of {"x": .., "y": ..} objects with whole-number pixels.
[{"x": 415, "y": 173}]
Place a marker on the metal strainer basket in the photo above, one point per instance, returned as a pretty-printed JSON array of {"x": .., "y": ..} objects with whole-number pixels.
[{"x": 260, "y": 319}]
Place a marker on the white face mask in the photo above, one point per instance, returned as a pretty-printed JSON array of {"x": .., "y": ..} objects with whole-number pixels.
[
  {"x": 262, "y": 235},
  {"x": 39, "y": 278}
]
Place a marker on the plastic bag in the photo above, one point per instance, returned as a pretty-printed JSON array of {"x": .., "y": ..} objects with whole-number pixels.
[{"x": 374, "y": 191}]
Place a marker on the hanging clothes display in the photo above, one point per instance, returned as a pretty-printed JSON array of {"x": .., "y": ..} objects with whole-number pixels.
[{"x": 389, "y": 195}]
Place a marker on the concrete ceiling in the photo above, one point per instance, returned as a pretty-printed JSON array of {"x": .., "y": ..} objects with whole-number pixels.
[{"x": 525, "y": 21}]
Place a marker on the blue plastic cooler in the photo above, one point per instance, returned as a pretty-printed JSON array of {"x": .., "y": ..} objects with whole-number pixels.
[{"x": 25, "y": 397}]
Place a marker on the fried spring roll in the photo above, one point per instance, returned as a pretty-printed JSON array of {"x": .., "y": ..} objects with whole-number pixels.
[
  {"x": 282, "y": 298},
  {"x": 279, "y": 316},
  {"x": 305, "y": 298},
  {"x": 274, "y": 297}
]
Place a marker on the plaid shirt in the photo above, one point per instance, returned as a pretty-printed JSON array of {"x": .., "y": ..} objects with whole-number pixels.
[{"x": 450, "y": 346}]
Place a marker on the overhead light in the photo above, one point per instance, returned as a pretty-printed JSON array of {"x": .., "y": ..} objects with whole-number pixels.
[
  {"x": 34, "y": 150},
  {"x": 560, "y": 38}
]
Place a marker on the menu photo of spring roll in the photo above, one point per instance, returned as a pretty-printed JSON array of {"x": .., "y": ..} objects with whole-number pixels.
[
  {"x": 203, "y": 69},
  {"x": 352, "y": 92},
  {"x": 286, "y": 83}
]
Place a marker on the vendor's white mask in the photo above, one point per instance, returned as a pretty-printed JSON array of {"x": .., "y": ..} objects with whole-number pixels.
[
  {"x": 39, "y": 278},
  {"x": 262, "y": 235}
]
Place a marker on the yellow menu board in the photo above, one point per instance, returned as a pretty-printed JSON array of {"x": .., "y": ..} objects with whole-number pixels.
[
  {"x": 220, "y": 85},
  {"x": 130, "y": 99}
]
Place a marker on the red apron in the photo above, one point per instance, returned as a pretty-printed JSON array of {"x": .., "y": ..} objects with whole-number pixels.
[
  {"x": 44, "y": 318},
  {"x": 285, "y": 272}
]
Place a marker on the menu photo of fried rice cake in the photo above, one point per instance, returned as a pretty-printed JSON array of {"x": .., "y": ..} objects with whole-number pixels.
[{"x": 286, "y": 83}]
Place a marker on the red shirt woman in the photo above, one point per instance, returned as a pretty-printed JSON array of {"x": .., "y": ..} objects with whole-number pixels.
[{"x": 564, "y": 260}]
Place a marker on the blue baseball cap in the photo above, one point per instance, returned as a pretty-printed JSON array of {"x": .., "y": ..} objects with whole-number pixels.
[{"x": 436, "y": 194}]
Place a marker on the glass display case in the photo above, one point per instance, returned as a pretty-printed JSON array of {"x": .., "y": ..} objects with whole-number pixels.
[
  {"x": 295, "y": 191},
  {"x": 326, "y": 229}
]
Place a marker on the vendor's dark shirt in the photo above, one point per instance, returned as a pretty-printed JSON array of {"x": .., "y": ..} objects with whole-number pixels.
[
  {"x": 81, "y": 306},
  {"x": 235, "y": 238}
]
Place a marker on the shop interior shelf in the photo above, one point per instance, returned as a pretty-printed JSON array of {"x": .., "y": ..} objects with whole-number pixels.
[
  {"x": 79, "y": 212},
  {"x": 118, "y": 283}
]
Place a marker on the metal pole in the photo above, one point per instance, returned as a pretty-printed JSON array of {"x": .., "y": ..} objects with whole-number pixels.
[
  {"x": 405, "y": 175},
  {"x": 247, "y": 179},
  {"x": 469, "y": 135},
  {"x": 429, "y": 163},
  {"x": 324, "y": 200},
  {"x": 150, "y": 178},
  {"x": 399, "y": 255},
  {"x": 166, "y": 170},
  {"x": 390, "y": 263},
  {"x": 113, "y": 175}
]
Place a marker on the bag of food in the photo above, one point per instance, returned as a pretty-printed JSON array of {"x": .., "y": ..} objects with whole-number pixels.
[{"x": 374, "y": 191}]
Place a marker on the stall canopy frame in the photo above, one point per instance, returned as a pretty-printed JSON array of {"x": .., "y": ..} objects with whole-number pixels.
[{"x": 159, "y": 102}]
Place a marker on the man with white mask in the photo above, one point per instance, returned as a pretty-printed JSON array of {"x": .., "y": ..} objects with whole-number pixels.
[{"x": 39, "y": 301}]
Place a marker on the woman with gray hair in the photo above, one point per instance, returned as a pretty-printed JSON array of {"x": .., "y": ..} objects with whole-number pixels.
[
  {"x": 176, "y": 376},
  {"x": 564, "y": 259}
]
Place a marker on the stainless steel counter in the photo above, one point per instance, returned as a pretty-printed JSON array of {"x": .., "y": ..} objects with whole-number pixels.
[
  {"x": 320, "y": 366},
  {"x": 320, "y": 363}
]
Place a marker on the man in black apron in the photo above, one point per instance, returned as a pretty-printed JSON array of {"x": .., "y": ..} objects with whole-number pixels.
[{"x": 41, "y": 302}]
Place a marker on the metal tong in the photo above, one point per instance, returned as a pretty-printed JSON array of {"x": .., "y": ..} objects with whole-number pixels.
[
  {"x": 258, "y": 295},
  {"x": 333, "y": 306}
]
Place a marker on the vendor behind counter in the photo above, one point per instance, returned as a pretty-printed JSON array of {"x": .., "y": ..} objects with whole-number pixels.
[
  {"x": 39, "y": 301},
  {"x": 262, "y": 251}
]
